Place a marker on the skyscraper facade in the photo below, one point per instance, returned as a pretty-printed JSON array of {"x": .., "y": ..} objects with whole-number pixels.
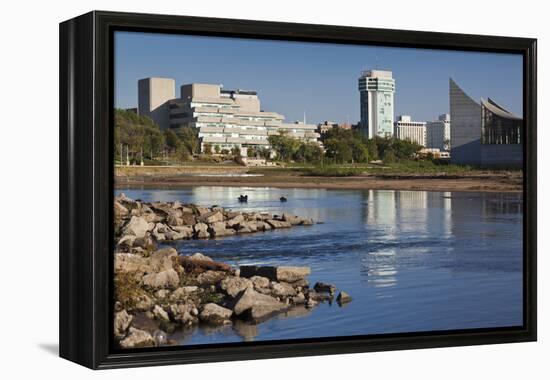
[
  {"x": 438, "y": 133},
  {"x": 376, "y": 88},
  {"x": 407, "y": 129},
  {"x": 153, "y": 97}
]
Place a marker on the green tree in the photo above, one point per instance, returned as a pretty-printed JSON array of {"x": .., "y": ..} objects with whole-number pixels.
[
  {"x": 338, "y": 150},
  {"x": 171, "y": 139},
  {"x": 135, "y": 135},
  {"x": 265, "y": 153},
  {"x": 236, "y": 151},
  {"x": 217, "y": 149},
  {"x": 389, "y": 156},
  {"x": 359, "y": 151},
  {"x": 309, "y": 152},
  {"x": 405, "y": 149},
  {"x": 207, "y": 148},
  {"x": 284, "y": 145},
  {"x": 189, "y": 138}
]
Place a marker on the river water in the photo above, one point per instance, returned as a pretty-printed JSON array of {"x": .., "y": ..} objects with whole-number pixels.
[{"x": 412, "y": 260}]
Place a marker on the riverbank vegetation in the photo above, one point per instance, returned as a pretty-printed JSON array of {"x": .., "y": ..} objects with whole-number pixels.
[
  {"x": 344, "y": 153},
  {"x": 138, "y": 139}
]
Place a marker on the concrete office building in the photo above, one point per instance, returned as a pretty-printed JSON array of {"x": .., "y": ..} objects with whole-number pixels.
[
  {"x": 376, "y": 88},
  {"x": 230, "y": 118},
  {"x": 327, "y": 125},
  {"x": 438, "y": 133},
  {"x": 406, "y": 129},
  {"x": 483, "y": 134},
  {"x": 153, "y": 97}
]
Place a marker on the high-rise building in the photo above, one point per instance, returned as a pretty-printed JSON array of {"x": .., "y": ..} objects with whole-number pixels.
[
  {"x": 438, "y": 133},
  {"x": 225, "y": 119},
  {"x": 483, "y": 134},
  {"x": 406, "y": 129},
  {"x": 153, "y": 97},
  {"x": 376, "y": 88}
]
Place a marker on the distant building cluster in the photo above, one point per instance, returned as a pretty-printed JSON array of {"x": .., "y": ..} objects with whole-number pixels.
[
  {"x": 377, "y": 93},
  {"x": 224, "y": 118},
  {"x": 326, "y": 126},
  {"x": 482, "y": 133}
]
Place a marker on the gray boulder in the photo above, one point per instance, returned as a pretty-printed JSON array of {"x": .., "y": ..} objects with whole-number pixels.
[
  {"x": 284, "y": 273},
  {"x": 199, "y": 256},
  {"x": 219, "y": 229},
  {"x": 343, "y": 297},
  {"x": 250, "y": 226},
  {"x": 256, "y": 307},
  {"x": 260, "y": 282},
  {"x": 160, "y": 314},
  {"x": 162, "y": 294},
  {"x": 210, "y": 277},
  {"x": 188, "y": 219},
  {"x": 137, "y": 338},
  {"x": 167, "y": 279},
  {"x": 232, "y": 286},
  {"x": 211, "y": 217},
  {"x": 318, "y": 297},
  {"x": 120, "y": 210},
  {"x": 278, "y": 223},
  {"x": 282, "y": 289},
  {"x": 128, "y": 263},
  {"x": 144, "y": 303},
  {"x": 125, "y": 243},
  {"x": 186, "y": 232},
  {"x": 122, "y": 323},
  {"x": 292, "y": 274},
  {"x": 215, "y": 314},
  {"x": 323, "y": 287},
  {"x": 201, "y": 231},
  {"x": 202, "y": 210},
  {"x": 235, "y": 221},
  {"x": 136, "y": 226},
  {"x": 163, "y": 259},
  {"x": 182, "y": 292},
  {"x": 183, "y": 313}
]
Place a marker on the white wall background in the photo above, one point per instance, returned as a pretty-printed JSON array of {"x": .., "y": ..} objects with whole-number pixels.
[{"x": 29, "y": 162}]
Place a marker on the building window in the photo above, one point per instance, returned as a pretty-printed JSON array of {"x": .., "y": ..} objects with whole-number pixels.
[{"x": 496, "y": 129}]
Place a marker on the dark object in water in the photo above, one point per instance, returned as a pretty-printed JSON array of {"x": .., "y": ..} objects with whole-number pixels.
[
  {"x": 243, "y": 198},
  {"x": 283, "y": 199}
]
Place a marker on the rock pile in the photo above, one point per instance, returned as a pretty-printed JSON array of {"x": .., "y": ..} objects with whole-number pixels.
[
  {"x": 139, "y": 225},
  {"x": 159, "y": 290},
  {"x": 173, "y": 290}
]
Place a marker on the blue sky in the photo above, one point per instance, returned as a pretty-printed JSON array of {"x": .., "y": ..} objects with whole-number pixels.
[{"x": 320, "y": 79}]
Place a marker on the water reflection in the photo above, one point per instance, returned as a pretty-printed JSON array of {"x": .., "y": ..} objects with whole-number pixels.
[{"x": 412, "y": 260}]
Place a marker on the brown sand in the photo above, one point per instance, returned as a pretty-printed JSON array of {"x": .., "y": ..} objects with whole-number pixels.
[{"x": 171, "y": 177}]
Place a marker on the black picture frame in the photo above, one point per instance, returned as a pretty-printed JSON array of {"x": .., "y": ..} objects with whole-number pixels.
[{"x": 86, "y": 187}]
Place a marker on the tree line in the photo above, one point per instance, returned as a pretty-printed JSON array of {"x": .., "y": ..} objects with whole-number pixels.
[
  {"x": 342, "y": 146},
  {"x": 138, "y": 138}
]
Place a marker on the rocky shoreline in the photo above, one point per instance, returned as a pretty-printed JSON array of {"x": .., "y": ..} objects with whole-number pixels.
[{"x": 159, "y": 290}]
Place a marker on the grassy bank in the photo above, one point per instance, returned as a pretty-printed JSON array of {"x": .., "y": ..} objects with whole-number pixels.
[
  {"x": 406, "y": 168},
  {"x": 413, "y": 175}
]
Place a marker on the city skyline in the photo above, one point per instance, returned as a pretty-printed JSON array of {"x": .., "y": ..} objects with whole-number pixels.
[{"x": 318, "y": 79}]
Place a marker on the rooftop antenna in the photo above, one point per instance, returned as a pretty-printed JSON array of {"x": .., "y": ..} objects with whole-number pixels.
[{"x": 304, "y": 116}]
